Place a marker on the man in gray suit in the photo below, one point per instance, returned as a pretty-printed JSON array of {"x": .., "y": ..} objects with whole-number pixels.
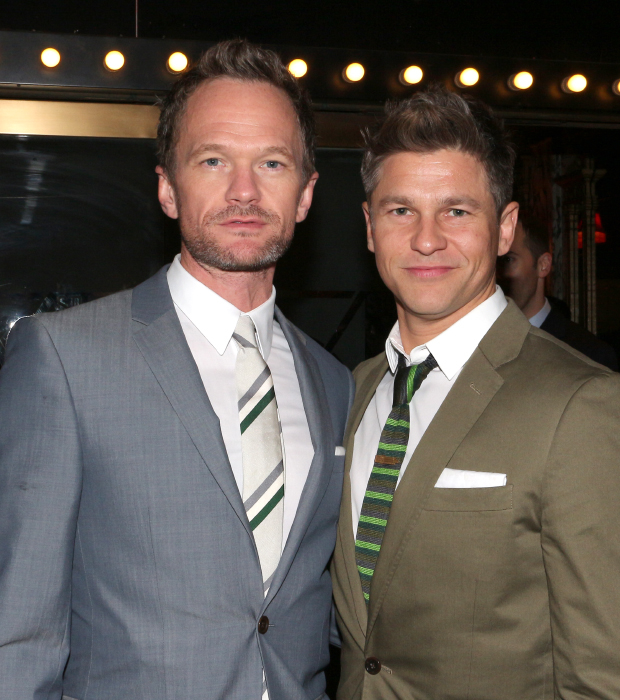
[{"x": 170, "y": 456}]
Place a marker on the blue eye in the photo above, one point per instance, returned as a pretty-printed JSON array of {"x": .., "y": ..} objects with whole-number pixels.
[
  {"x": 212, "y": 161},
  {"x": 272, "y": 164}
]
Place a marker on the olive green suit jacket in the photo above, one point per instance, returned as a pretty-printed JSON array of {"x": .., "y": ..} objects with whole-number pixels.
[{"x": 505, "y": 593}]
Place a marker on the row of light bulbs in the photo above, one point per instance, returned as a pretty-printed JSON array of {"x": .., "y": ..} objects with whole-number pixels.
[
  {"x": 353, "y": 73},
  {"x": 468, "y": 77},
  {"x": 114, "y": 60}
]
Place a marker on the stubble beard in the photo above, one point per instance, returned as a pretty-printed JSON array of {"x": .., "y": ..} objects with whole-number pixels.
[{"x": 202, "y": 244}]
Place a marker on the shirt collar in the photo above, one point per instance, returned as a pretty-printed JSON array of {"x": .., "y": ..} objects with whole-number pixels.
[
  {"x": 212, "y": 315},
  {"x": 539, "y": 318},
  {"x": 456, "y": 344}
]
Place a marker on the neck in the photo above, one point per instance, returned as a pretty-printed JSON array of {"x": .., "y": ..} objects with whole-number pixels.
[
  {"x": 536, "y": 302},
  {"x": 416, "y": 329},
  {"x": 244, "y": 290}
]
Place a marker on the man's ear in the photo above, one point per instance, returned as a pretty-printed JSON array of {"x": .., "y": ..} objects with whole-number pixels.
[
  {"x": 370, "y": 240},
  {"x": 306, "y": 198},
  {"x": 507, "y": 225},
  {"x": 543, "y": 266},
  {"x": 166, "y": 194}
]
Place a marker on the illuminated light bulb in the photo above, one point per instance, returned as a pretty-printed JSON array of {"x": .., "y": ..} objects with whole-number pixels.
[
  {"x": 298, "y": 67},
  {"x": 576, "y": 83},
  {"x": 616, "y": 87},
  {"x": 114, "y": 60},
  {"x": 353, "y": 73},
  {"x": 521, "y": 81},
  {"x": 411, "y": 75},
  {"x": 50, "y": 58},
  {"x": 177, "y": 62},
  {"x": 467, "y": 77}
]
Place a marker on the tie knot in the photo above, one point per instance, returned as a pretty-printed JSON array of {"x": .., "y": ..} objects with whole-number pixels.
[
  {"x": 409, "y": 379},
  {"x": 245, "y": 332}
]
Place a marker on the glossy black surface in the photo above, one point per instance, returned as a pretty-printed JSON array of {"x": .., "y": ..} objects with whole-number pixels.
[{"x": 79, "y": 219}]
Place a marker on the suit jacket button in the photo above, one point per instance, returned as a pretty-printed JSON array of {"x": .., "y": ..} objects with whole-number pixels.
[
  {"x": 372, "y": 665},
  {"x": 263, "y": 624}
]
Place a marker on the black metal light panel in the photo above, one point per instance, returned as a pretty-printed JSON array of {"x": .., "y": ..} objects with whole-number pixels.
[{"x": 81, "y": 75}]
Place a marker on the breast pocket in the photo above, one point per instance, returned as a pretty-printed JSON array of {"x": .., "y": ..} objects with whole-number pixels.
[{"x": 468, "y": 500}]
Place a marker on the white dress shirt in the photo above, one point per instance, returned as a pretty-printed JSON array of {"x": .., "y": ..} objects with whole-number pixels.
[
  {"x": 451, "y": 349},
  {"x": 208, "y": 322},
  {"x": 539, "y": 318}
]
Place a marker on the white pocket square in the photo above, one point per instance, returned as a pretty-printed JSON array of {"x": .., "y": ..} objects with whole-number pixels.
[
  {"x": 340, "y": 451},
  {"x": 463, "y": 479}
]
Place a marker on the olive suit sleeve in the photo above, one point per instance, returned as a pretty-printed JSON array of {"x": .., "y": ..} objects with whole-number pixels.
[{"x": 581, "y": 542}]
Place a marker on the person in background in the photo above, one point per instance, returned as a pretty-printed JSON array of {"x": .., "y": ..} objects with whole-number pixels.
[
  {"x": 522, "y": 273},
  {"x": 171, "y": 456},
  {"x": 478, "y": 549}
]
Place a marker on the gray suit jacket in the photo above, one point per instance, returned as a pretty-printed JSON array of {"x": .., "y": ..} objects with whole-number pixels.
[{"x": 127, "y": 567}]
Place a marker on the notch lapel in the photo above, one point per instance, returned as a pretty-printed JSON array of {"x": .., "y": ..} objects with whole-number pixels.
[
  {"x": 161, "y": 341},
  {"x": 472, "y": 392},
  {"x": 323, "y": 441},
  {"x": 364, "y": 393}
]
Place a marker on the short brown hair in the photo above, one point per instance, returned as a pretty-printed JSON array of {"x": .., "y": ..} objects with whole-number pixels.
[
  {"x": 437, "y": 119},
  {"x": 240, "y": 60},
  {"x": 535, "y": 235}
]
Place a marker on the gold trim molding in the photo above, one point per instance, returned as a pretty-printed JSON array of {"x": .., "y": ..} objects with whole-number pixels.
[
  {"x": 101, "y": 120},
  {"x": 134, "y": 121}
]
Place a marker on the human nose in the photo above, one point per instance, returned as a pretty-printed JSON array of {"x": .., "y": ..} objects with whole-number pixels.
[
  {"x": 427, "y": 237},
  {"x": 243, "y": 188}
]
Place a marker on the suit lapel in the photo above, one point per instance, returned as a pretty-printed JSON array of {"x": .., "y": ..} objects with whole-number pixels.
[
  {"x": 323, "y": 441},
  {"x": 161, "y": 341},
  {"x": 472, "y": 392},
  {"x": 364, "y": 393}
]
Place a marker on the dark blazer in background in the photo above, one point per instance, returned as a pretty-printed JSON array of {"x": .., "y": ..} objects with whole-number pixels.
[
  {"x": 128, "y": 570},
  {"x": 505, "y": 593},
  {"x": 581, "y": 339}
]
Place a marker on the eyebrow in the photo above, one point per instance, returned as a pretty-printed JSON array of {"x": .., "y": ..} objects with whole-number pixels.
[
  {"x": 462, "y": 199},
  {"x": 219, "y": 148},
  {"x": 402, "y": 201},
  {"x": 446, "y": 202}
]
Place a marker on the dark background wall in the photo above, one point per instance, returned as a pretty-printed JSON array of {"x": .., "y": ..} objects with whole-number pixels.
[{"x": 551, "y": 29}]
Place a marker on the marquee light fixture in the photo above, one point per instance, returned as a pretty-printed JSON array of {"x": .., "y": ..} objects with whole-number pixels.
[
  {"x": 50, "y": 58},
  {"x": 114, "y": 60},
  {"x": 298, "y": 67},
  {"x": 353, "y": 73},
  {"x": 575, "y": 83},
  {"x": 521, "y": 81},
  {"x": 411, "y": 76},
  {"x": 177, "y": 62},
  {"x": 467, "y": 77}
]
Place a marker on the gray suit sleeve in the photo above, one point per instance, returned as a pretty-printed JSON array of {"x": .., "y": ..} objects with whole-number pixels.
[{"x": 40, "y": 482}]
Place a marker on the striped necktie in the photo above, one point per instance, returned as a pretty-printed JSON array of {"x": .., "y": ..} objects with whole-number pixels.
[
  {"x": 261, "y": 443},
  {"x": 384, "y": 476}
]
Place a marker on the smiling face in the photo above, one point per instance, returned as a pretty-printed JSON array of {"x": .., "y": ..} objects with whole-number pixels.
[
  {"x": 237, "y": 187},
  {"x": 432, "y": 224}
]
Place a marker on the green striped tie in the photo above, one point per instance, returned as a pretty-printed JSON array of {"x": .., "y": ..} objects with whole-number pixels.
[{"x": 384, "y": 476}]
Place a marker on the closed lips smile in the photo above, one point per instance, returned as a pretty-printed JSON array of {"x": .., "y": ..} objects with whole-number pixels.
[{"x": 434, "y": 271}]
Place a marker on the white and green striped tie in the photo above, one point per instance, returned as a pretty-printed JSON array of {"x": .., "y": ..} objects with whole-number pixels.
[{"x": 261, "y": 442}]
